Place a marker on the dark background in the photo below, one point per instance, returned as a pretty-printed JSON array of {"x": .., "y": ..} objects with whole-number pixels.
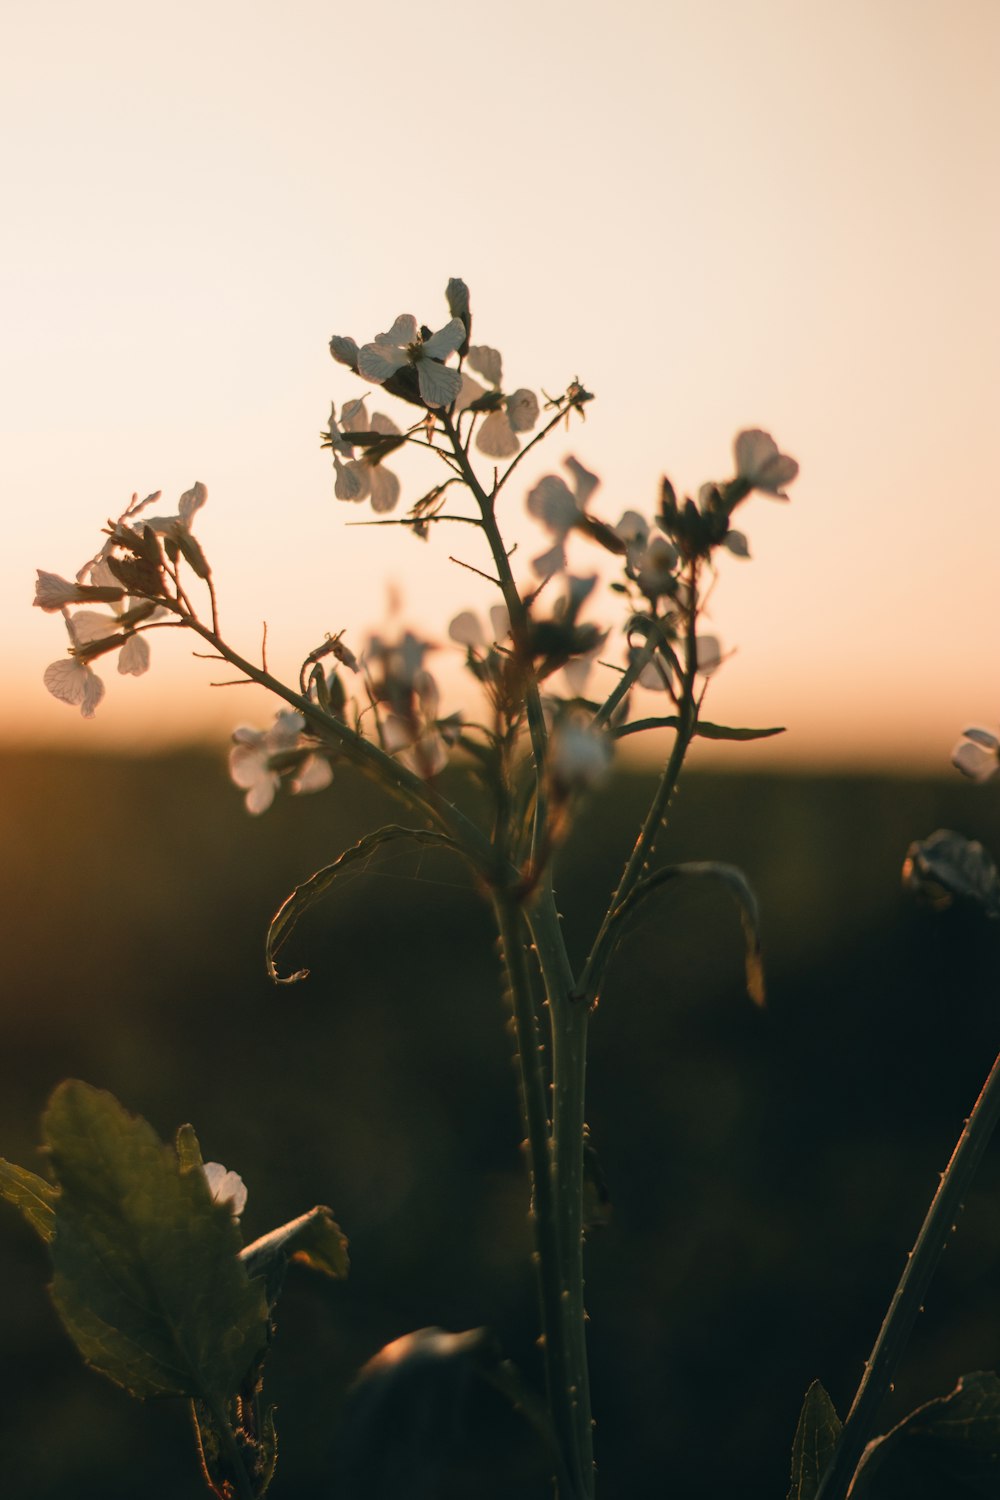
[{"x": 768, "y": 1169}]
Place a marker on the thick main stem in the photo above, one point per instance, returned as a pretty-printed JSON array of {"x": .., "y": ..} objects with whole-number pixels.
[
  {"x": 909, "y": 1295},
  {"x": 569, "y": 1021}
]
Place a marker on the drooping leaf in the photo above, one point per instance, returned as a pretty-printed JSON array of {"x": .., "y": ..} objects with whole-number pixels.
[
  {"x": 947, "y": 866},
  {"x": 728, "y": 875},
  {"x": 148, "y": 1278},
  {"x": 948, "y": 1449},
  {"x": 314, "y": 1238},
  {"x": 305, "y": 895},
  {"x": 32, "y": 1195},
  {"x": 815, "y": 1439},
  {"x": 704, "y": 728}
]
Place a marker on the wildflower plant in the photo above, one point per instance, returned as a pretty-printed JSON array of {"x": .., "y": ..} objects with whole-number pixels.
[{"x": 563, "y": 673}]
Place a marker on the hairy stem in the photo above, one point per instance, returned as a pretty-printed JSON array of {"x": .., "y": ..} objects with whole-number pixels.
[
  {"x": 569, "y": 1019},
  {"x": 909, "y": 1295}
]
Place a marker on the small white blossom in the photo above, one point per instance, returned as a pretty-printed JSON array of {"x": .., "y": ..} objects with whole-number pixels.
[
  {"x": 977, "y": 754},
  {"x": 497, "y": 435},
  {"x": 761, "y": 465},
  {"x": 579, "y": 756},
  {"x": 402, "y": 344},
  {"x": 259, "y": 757},
  {"x": 75, "y": 683},
  {"x": 467, "y": 629},
  {"x": 225, "y": 1187},
  {"x": 560, "y": 509},
  {"x": 53, "y": 592},
  {"x": 362, "y": 478}
]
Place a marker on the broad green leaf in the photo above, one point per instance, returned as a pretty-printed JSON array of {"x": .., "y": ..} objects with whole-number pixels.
[
  {"x": 948, "y": 1449},
  {"x": 32, "y": 1195},
  {"x": 815, "y": 1439},
  {"x": 148, "y": 1280},
  {"x": 728, "y": 875},
  {"x": 704, "y": 728},
  {"x": 314, "y": 1238},
  {"x": 947, "y": 866},
  {"x": 311, "y": 890}
]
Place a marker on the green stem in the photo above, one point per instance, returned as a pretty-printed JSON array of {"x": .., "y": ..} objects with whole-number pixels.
[
  {"x": 244, "y": 1489},
  {"x": 544, "y": 1208},
  {"x": 518, "y": 612},
  {"x": 592, "y": 975},
  {"x": 569, "y": 1018},
  {"x": 909, "y": 1295}
]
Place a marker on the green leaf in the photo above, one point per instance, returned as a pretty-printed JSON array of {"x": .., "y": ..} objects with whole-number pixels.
[
  {"x": 188, "y": 1150},
  {"x": 948, "y": 1449},
  {"x": 305, "y": 895},
  {"x": 704, "y": 728},
  {"x": 314, "y": 1238},
  {"x": 148, "y": 1278},
  {"x": 815, "y": 1439},
  {"x": 739, "y": 888},
  {"x": 32, "y": 1195},
  {"x": 947, "y": 866}
]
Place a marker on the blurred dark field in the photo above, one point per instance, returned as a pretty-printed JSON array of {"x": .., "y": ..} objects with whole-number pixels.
[{"x": 768, "y": 1170}]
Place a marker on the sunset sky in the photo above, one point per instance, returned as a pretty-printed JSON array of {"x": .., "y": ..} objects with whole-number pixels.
[{"x": 717, "y": 213}]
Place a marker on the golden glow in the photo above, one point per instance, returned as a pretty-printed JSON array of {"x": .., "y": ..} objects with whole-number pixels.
[{"x": 718, "y": 215}]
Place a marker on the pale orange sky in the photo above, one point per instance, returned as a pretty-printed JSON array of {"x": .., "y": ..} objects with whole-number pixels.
[{"x": 718, "y": 213}]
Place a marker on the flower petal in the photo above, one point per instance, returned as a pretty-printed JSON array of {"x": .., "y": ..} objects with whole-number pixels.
[
  {"x": 981, "y": 736},
  {"x": 496, "y": 437},
  {"x": 974, "y": 761},
  {"x": 344, "y": 351},
  {"x": 522, "y": 409},
  {"x": 486, "y": 362},
  {"x": 466, "y": 629},
  {"x": 313, "y": 775},
  {"x": 192, "y": 500},
  {"x": 73, "y": 682},
  {"x": 377, "y": 362},
  {"x": 353, "y": 480},
  {"x": 402, "y": 332},
  {"x": 439, "y": 385},
  {"x": 445, "y": 341},
  {"x": 385, "y": 489},
  {"x": 133, "y": 658},
  {"x": 225, "y": 1187},
  {"x": 584, "y": 483}
]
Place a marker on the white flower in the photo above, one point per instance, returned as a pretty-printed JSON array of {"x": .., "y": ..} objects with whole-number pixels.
[
  {"x": 53, "y": 592},
  {"x": 225, "y": 1187},
  {"x": 579, "y": 756},
  {"x": 650, "y": 557},
  {"x": 362, "y": 478},
  {"x": 560, "y": 509},
  {"x": 260, "y": 757},
  {"x": 398, "y": 679},
  {"x": 403, "y": 345},
  {"x": 760, "y": 465},
  {"x": 75, "y": 683},
  {"x": 497, "y": 436},
  {"x": 977, "y": 754},
  {"x": 657, "y": 674},
  {"x": 467, "y": 629}
]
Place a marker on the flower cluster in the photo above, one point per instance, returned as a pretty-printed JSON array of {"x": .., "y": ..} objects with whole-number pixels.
[
  {"x": 135, "y": 581},
  {"x": 131, "y": 575},
  {"x": 406, "y": 698}
]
